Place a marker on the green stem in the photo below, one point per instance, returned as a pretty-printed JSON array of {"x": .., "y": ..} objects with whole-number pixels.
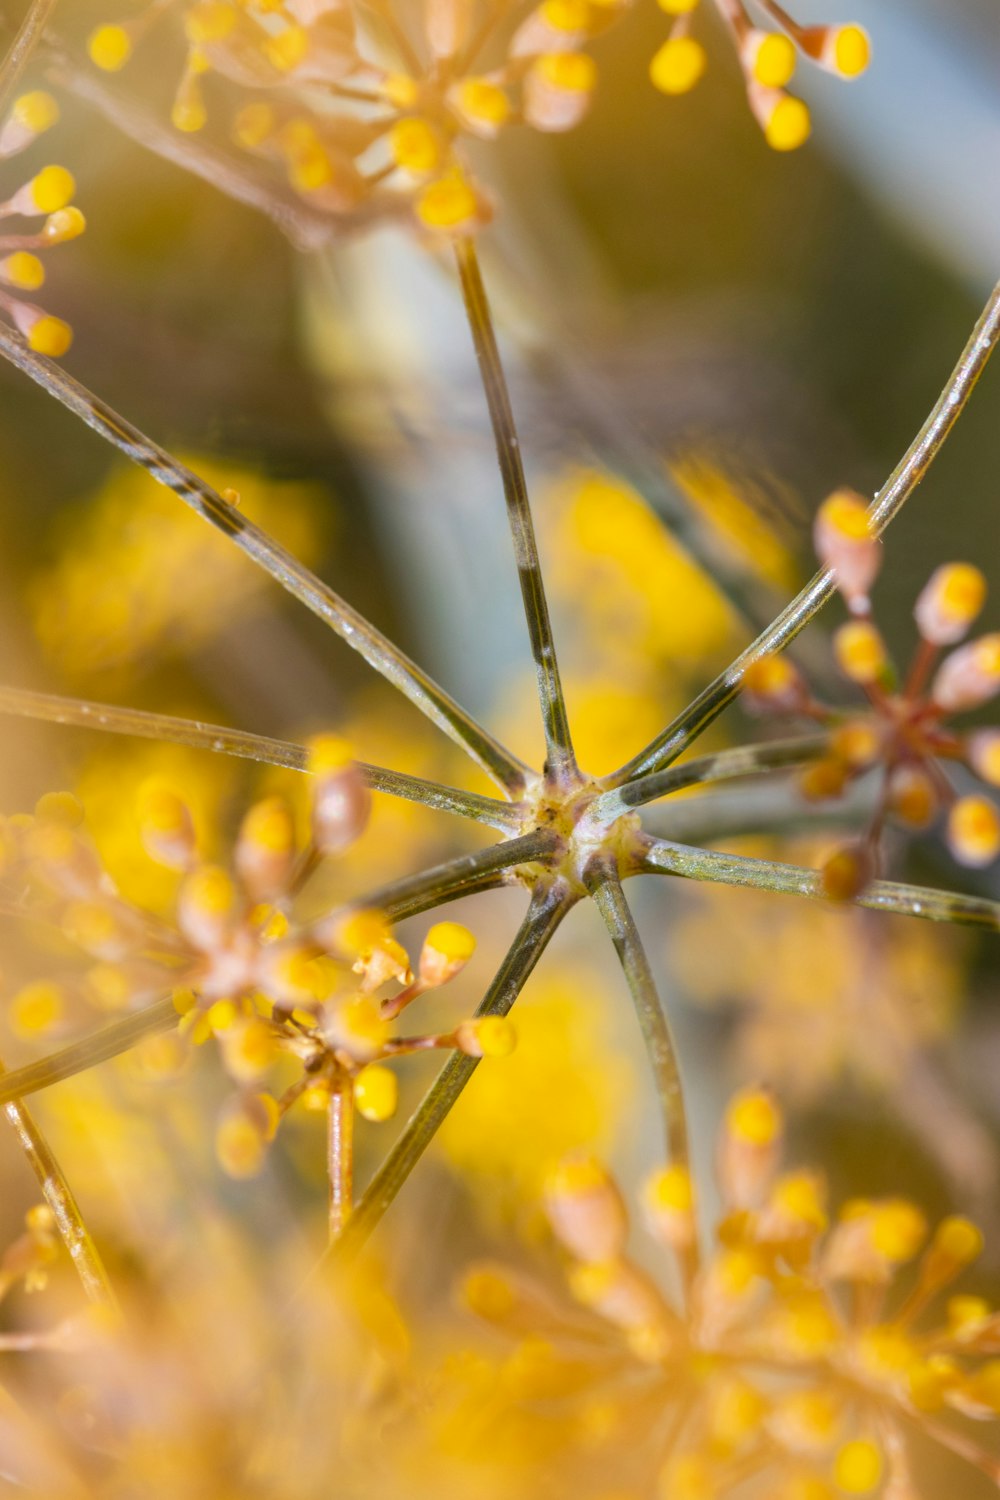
[
  {"x": 52, "y": 708},
  {"x": 560, "y": 760},
  {"x": 455, "y": 877},
  {"x": 59, "y": 1196},
  {"x": 100, "y": 1046},
  {"x": 673, "y": 740},
  {"x": 370, "y": 643},
  {"x": 19, "y": 52},
  {"x": 547, "y": 908},
  {"x": 665, "y": 858},
  {"x": 744, "y": 760},
  {"x": 605, "y": 887}
]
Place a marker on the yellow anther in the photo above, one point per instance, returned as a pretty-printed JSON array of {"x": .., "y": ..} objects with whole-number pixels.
[
  {"x": 678, "y": 65},
  {"x": 254, "y": 124},
  {"x": 23, "y": 270},
  {"x": 60, "y": 807},
  {"x": 210, "y": 23},
  {"x": 857, "y": 1468},
  {"x": 898, "y": 1229},
  {"x": 110, "y": 47},
  {"x": 221, "y": 1016},
  {"x": 328, "y": 754},
  {"x": 489, "y": 1293},
  {"x": 670, "y": 1188},
  {"x": 481, "y": 102},
  {"x": 566, "y": 15},
  {"x": 400, "y": 90},
  {"x": 772, "y": 679},
  {"x": 949, "y": 602},
  {"x": 447, "y": 949},
  {"x": 210, "y": 891},
  {"x": 376, "y": 1093}
]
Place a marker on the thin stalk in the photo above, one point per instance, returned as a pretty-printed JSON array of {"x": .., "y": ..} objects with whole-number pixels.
[
  {"x": 546, "y": 910},
  {"x": 53, "y": 708},
  {"x": 666, "y": 858},
  {"x": 454, "y": 877},
  {"x": 59, "y": 1196},
  {"x": 100, "y": 1046},
  {"x": 298, "y": 580},
  {"x": 744, "y": 760},
  {"x": 19, "y": 52},
  {"x": 560, "y": 760},
  {"x": 609, "y": 898},
  {"x": 673, "y": 740},
  {"x": 340, "y": 1154}
]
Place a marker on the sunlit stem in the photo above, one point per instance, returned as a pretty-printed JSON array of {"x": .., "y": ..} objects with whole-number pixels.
[
  {"x": 666, "y": 858},
  {"x": 111, "y": 1041},
  {"x": 744, "y": 760},
  {"x": 59, "y": 1196},
  {"x": 340, "y": 1153},
  {"x": 454, "y": 877},
  {"x": 559, "y": 748},
  {"x": 19, "y": 53},
  {"x": 53, "y": 708},
  {"x": 548, "y": 906},
  {"x": 292, "y": 575},
  {"x": 605, "y": 887},
  {"x": 673, "y": 740}
]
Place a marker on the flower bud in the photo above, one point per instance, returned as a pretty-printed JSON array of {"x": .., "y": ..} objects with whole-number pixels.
[
  {"x": 872, "y": 1239},
  {"x": 974, "y": 831},
  {"x": 341, "y": 800},
  {"x": 846, "y": 873},
  {"x": 772, "y": 684},
  {"x": 245, "y": 1128},
  {"x": 784, "y": 119},
  {"x": 451, "y": 205},
  {"x": 355, "y": 1024},
  {"x": 749, "y": 1147},
  {"x": 860, "y": 652},
  {"x": 982, "y": 751},
  {"x": 376, "y": 1093},
  {"x": 36, "y": 1009},
  {"x": 487, "y": 1036},
  {"x": 265, "y": 848},
  {"x": 968, "y": 677},
  {"x": 669, "y": 1203},
  {"x": 824, "y": 779},
  {"x": 843, "y": 50},
  {"x": 110, "y": 47},
  {"x": 207, "y": 907},
  {"x": 481, "y": 105},
  {"x": 913, "y": 797},
  {"x": 857, "y": 1467},
  {"x": 557, "y": 90},
  {"x": 949, "y": 602},
  {"x": 585, "y": 1209},
  {"x": 446, "y": 951},
  {"x": 30, "y": 115},
  {"x": 845, "y": 544},
  {"x": 624, "y": 1296},
  {"x": 768, "y": 57},
  {"x": 166, "y": 827},
  {"x": 678, "y": 65}
]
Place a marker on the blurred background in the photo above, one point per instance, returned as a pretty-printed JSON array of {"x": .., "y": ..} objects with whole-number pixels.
[{"x": 694, "y": 325}]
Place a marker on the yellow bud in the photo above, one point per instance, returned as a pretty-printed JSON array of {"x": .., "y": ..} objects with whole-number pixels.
[
  {"x": 50, "y": 336},
  {"x": 110, "y": 47},
  {"x": 898, "y": 1229},
  {"x": 376, "y": 1093},
  {"x": 245, "y": 1127},
  {"x": 968, "y": 677},
  {"x": 754, "y": 1118},
  {"x": 23, "y": 270},
  {"x": 846, "y": 873},
  {"x": 36, "y": 111},
  {"x": 489, "y": 1036},
  {"x": 489, "y": 1293},
  {"x": 416, "y": 146},
  {"x": 254, "y": 124},
  {"x": 949, "y": 602},
  {"x": 786, "y": 123},
  {"x": 852, "y": 50},
  {"x": 913, "y": 796},
  {"x": 772, "y": 682},
  {"x": 983, "y": 753},
  {"x": 51, "y": 189},
  {"x": 857, "y": 1468},
  {"x": 482, "y": 104},
  {"x": 60, "y": 807},
  {"x": 449, "y": 205},
  {"x": 355, "y": 1024},
  {"x": 65, "y": 224},
  {"x": 678, "y": 65},
  {"x": 974, "y": 831},
  {"x": 585, "y": 1209},
  {"x": 447, "y": 949},
  {"x": 36, "y": 1009},
  {"x": 769, "y": 57},
  {"x": 860, "y": 651},
  {"x": 287, "y": 49}
]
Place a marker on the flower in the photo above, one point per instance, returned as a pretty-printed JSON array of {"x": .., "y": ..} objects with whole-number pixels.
[
  {"x": 797, "y": 1349},
  {"x": 906, "y": 732},
  {"x": 46, "y": 195}
]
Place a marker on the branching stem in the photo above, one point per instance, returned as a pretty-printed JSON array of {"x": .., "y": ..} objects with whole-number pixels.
[{"x": 560, "y": 760}]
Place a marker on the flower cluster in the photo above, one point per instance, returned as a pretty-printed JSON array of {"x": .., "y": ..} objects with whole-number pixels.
[
  {"x": 365, "y": 118},
  {"x": 907, "y": 732},
  {"x": 767, "y": 57},
  {"x": 271, "y": 989},
  {"x": 787, "y": 1358},
  {"x": 47, "y": 195}
]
